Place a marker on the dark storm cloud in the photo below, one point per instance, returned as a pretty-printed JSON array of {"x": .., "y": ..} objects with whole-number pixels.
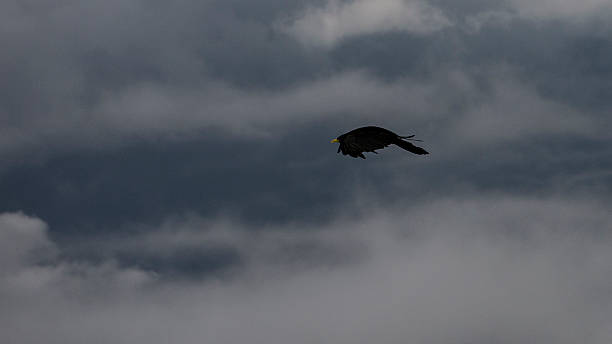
[
  {"x": 221, "y": 107},
  {"x": 62, "y": 62},
  {"x": 99, "y": 74},
  {"x": 148, "y": 181},
  {"x": 170, "y": 164}
]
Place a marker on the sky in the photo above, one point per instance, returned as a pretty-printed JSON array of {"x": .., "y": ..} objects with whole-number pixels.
[{"x": 167, "y": 176}]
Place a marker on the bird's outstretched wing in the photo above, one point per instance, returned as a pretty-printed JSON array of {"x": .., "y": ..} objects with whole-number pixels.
[
  {"x": 351, "y": 146},
  {"x": 371, "y": 143},
  {"x": 368, "y": 139}
]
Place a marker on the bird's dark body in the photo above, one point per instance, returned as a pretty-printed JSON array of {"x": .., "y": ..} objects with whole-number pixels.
[{"x": 368, "y": 139}]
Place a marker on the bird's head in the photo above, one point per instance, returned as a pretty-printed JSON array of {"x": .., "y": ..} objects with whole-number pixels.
[{"x": 338, "y": 139}]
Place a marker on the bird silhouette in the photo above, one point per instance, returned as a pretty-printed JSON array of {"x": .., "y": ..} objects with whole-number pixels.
[{"x": 370, "y": 138}]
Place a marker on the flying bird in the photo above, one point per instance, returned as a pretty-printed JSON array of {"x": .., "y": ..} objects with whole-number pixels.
[{"x": 368, "y": 139}]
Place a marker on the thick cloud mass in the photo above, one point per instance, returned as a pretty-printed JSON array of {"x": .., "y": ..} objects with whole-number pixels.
[
  {"x": 509, "y": 270},
  {"x": 166, "y": 172}
]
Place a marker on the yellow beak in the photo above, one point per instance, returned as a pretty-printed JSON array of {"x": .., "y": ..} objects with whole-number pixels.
[{"x": 334, "y": 141}]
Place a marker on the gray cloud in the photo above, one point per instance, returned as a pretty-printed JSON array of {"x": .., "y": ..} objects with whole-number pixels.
[
  {"x": 23, "y": 241},
  {"x": 451, "y": 101},
  {"x": 560, "y": 9},
  {"x": 179, "y": 156},
  {"x": 476, "y": 270},
  {"x": 337, "y": 20},
  {"x": 168, "y": 71}
]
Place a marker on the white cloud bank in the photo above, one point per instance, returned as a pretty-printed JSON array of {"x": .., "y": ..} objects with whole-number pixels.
[
  {"x": 339, "y": 19},
  {"x": 501, "y": 270}
]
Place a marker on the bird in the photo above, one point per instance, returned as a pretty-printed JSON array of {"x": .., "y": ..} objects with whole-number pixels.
[{"x": 370, "y": 138}]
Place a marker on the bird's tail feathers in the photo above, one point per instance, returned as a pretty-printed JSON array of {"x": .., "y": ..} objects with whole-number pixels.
[{"x": 410, "y": 147}]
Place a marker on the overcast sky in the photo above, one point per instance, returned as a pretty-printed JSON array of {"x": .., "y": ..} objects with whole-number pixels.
[{"x": 167, "y": 176}]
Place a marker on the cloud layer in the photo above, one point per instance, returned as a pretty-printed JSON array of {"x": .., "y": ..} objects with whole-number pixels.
[
  {"x": 166, "y": 172},
  {"x": 167, "y": 71},
  {"x": 509, "y": 270}
]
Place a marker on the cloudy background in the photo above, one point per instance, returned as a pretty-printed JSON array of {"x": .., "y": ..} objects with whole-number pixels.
[{"x": 166, "y": 174}]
